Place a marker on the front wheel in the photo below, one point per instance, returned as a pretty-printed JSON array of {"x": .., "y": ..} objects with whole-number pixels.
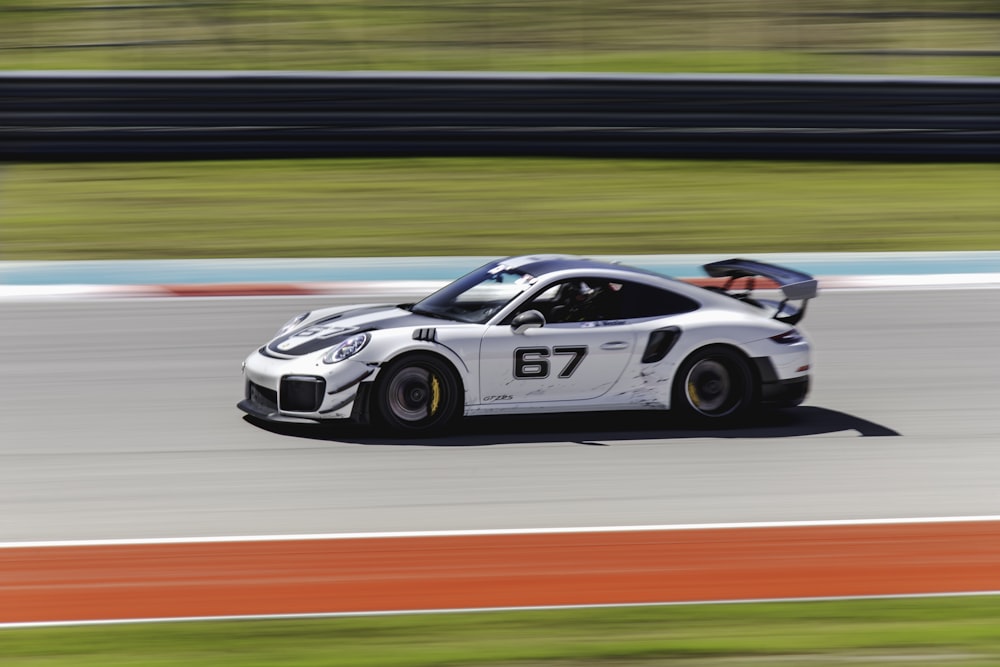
[
  {"x": 714, "y": 386},
  {"x": 417, "y": 393}
]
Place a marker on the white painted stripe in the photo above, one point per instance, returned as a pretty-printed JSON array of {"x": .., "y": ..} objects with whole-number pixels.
[
  {"x": 499, "y": 532},
  {"x": 80, "y": 291},
  {"x": 483, "y": 610},
  {"x": 928, "y": 281}
]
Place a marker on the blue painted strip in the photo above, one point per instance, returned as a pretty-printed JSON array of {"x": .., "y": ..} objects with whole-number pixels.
[{"x": 221, "y": 271}]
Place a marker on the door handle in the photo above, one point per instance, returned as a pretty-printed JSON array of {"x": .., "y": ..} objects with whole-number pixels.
[{"x": 614, "y": 345}]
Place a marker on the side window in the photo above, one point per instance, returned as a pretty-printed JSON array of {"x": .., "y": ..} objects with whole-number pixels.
[
  {"x": 579, "y": 300},
  {"x": 601, "y": 299},
  {"x": 639, "y": 300}
]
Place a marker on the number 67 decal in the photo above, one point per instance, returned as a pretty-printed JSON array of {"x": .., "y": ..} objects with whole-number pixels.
[{"x": 533, "y": 362}]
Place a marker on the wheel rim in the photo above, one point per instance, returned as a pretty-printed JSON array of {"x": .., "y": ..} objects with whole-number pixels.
[
  {"x": 414, "y": 394},
  {"x": 710, "y": 387}
]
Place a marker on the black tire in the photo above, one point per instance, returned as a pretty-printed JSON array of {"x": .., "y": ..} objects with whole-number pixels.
[
  {"x": 417, "y": 393},
  {"x": 714, "y": 386}
]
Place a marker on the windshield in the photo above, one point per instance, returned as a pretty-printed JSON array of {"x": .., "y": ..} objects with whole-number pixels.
[{"x": 476, "y": 297}]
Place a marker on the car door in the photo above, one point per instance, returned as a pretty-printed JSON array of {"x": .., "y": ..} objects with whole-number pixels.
[{"x": 560, "y": 361}]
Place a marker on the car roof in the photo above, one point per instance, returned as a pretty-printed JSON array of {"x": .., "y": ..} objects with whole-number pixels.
[{"x": 540, "y": 265}]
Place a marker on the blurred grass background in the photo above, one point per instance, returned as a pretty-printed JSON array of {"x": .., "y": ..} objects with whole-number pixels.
[
  {"x": 837, "y": 36},
  {"x": 954, "y": 632},
  {"x": 497, "y": 206},
  {"x": 490, "y": 206}
]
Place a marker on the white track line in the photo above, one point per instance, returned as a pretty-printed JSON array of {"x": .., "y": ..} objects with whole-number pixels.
[
  {"x": 486, "y": 532},
  {"x": 482, "y": 610}
]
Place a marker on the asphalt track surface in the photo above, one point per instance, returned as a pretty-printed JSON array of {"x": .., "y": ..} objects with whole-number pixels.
[{"x": 119, "y": 422}]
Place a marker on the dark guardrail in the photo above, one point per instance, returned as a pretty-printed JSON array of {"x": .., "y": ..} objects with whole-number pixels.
[{"x": 190, "y": 115}]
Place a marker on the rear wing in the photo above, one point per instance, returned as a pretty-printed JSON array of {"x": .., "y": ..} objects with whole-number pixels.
[{"x": 794, "y": 284}]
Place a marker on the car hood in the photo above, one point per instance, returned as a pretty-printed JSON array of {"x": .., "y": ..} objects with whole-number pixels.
[{"x": 329, "y": 330}]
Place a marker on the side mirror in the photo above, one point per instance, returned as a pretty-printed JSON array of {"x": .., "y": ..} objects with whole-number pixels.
[{"x": 529, "y": 319}]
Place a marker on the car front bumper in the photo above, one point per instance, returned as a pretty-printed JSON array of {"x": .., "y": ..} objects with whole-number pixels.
[{"x": 301, "y": 390}]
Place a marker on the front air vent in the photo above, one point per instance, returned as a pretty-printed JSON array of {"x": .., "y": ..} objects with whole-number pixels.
[
  {"x": 428, "y": 334},
  {"x": 301, "y": 393},
  {"x": 262, "y": 397}
]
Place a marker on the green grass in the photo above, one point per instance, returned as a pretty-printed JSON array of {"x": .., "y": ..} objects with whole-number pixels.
[
  {"x": 936, "y": 631},
  {"x": 839, "y": 36},
  {"x": 369, "y": 207}
]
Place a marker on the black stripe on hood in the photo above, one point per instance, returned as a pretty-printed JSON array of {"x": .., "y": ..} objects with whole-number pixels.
[{"x": 325, "y": 332}]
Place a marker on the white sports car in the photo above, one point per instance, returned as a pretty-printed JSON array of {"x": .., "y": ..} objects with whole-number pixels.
[{"x": 543, "y": 334}]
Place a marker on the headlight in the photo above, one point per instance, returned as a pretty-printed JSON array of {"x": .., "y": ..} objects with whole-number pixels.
[
  {"x": 346, "y": 349},
  {"x": 291, "y": 324}
]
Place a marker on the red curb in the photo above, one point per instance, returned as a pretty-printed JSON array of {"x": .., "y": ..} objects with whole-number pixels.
[
  {"x": 116, "y": 582},
  {"x": 240, "y": 289}
]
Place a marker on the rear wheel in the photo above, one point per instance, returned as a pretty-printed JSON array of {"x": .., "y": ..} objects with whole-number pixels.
[
  {"x": 418, "y": 393},
  {"x": 714, "y": 385}
]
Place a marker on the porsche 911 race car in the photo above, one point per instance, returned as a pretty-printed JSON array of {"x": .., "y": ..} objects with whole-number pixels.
[{"x": 544, "y": 334}]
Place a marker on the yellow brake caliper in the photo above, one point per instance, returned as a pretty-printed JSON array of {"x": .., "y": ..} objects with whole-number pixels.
[
  {"x": 435, "y": 394},
  {"x": 693, "y": 395}
]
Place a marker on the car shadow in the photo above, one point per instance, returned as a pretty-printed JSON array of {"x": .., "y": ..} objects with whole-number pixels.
[{"x": 599, "y": 429}]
